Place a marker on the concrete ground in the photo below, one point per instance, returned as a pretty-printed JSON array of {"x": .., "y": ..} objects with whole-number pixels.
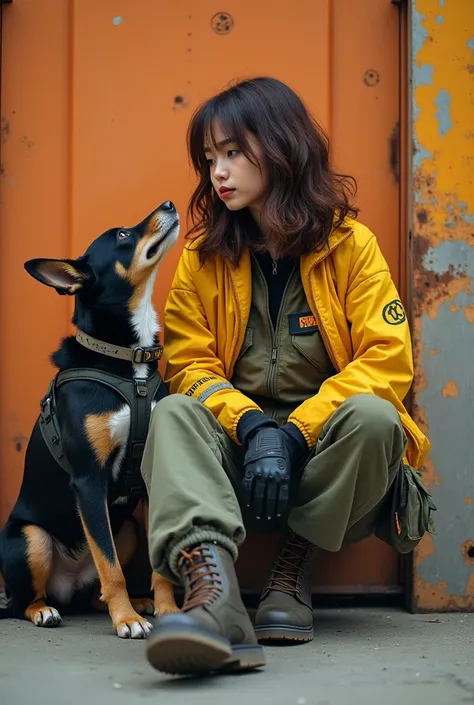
[{"x": 359, "y": 657}]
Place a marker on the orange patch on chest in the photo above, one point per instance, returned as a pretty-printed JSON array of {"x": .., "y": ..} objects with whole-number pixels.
[{"x": 98, "y": 434}]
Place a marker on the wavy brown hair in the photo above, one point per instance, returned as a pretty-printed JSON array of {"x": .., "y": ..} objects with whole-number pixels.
[{"x": 305, "y": 198}]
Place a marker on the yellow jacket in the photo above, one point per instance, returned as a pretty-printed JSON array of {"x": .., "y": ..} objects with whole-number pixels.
[{"x": 354, "y": 300}]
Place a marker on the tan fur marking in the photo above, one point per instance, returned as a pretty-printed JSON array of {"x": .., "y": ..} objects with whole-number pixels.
[
  {"x": 39, "y": 556},
  {"x": 163, "y": 595},
  {"x": 98, "y": 434},
  {"x": 120, "y": 270},
  {"x": 137, "y": 296},
  {"x": 138, "y": 275},
  {"x": 69, "y": 269},
  {"x": 163, "y": 590},
  {"x": 126, "y": 542},
  {"x": 112, "y": 583}
]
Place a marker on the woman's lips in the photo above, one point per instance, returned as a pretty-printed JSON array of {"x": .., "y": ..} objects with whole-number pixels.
[{"x": 226, "y": 192}]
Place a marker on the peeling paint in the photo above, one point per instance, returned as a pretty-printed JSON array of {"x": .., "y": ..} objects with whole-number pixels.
[
  {"x": 450, "y": 389},
  {"x": 469, "y": 313},
  {"x": 468, "y": 552},
  {"x": 443, "y": 288},
  {"x": 423, "y": 75},
  {"x": 443, "y": 103}
]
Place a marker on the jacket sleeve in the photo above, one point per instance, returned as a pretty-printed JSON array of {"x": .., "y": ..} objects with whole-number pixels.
[
  {"x": 382, "y": 361},
  {"x": 192, "y": 365}
]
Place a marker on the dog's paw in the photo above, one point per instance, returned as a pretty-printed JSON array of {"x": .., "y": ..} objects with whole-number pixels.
[
  {"x": 137, "y": 628},
  {"x": 143, "y": 605},
  {"x": 161, "y": 609},
  {"x": 46, "y": 617}
]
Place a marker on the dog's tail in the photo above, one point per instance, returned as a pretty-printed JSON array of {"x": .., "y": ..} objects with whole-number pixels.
[{"x": 6, "y": 607}]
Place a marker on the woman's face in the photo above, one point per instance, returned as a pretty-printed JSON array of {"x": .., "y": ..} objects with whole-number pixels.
[{"x": 237, "y": 181}]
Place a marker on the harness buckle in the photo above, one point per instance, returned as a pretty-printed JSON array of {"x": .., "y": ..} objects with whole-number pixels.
[
  {"x": 142, "y": 388},
  {"x": 138, "y": 354},
  {"x": 147, "y": 354},
  {"x": 46, "y": 409}
]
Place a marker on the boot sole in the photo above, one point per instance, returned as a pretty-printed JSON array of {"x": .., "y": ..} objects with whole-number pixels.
[
  {"x": 283, "y": 632},
  {"x": 197, "y": 652}
]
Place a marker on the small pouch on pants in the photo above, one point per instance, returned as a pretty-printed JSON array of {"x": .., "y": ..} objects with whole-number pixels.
[{"x": 408, "y": 515}]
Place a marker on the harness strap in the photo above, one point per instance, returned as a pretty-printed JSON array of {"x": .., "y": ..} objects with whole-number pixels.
[{"x": 138, "y": 393}]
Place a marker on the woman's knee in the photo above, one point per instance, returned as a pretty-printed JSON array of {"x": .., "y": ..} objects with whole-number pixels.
[
  {"x": 176, "y": 406},
  {"x": 373, "y": 416},
  {"x": 177, "y": 412}
]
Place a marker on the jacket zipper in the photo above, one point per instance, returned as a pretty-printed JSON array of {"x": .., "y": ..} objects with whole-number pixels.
[
  {"x": 315, "y": 312},
  {"x": 274, "y": 358}
]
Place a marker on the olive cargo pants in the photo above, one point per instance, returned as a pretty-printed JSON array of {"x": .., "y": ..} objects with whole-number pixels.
[{"x": 193, "y": 473}]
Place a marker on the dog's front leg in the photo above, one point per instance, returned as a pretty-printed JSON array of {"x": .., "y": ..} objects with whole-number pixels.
[
  {"x": 91, "y": 497},
  {"x": 163, "y": 591}
]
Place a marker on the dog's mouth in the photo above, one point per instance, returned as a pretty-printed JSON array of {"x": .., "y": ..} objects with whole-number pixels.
[{"x": 156, "y": 245}]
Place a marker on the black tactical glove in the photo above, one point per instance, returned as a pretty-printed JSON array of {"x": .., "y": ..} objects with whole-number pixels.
[{"x": 267, "y": 473}]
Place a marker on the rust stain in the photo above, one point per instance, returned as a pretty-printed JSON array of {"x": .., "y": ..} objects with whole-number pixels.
[
  {"x": 431, "y": 290},
  {"x": 429, "y": 597},
  {"x": 450, "y": 389},
  {"x": 4, "y": 130},
  {"x": 469, "y": 313},
  {"x": 468, "y": 552},
  {"x": 433, "y": 598},
  {"x": 422, "y": 215},
  {"x": 429, "y": 474},
  {"x": 442, "y": 215}
]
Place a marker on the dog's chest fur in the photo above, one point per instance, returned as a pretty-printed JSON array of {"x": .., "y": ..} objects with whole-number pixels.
[{"x": 119, "y": 429}]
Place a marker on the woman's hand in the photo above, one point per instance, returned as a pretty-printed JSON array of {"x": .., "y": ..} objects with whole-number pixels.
[{"x": 267, "y": 474}]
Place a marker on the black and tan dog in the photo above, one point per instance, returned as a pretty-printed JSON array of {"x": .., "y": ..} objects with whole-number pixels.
[{"x": 73, "y": 517}]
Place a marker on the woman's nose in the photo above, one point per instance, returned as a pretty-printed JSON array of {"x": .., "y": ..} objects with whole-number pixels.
[{"x": 221, "y": 172}]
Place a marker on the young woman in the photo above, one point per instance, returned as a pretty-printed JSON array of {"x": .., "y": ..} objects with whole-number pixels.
[{"x": 288, "y": 358}]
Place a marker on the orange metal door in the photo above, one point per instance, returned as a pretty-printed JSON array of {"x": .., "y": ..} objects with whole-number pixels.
[{"x": 96, "y": 99}]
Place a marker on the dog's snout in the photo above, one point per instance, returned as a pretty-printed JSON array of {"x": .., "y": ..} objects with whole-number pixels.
[{"x": 167, "y": 206}]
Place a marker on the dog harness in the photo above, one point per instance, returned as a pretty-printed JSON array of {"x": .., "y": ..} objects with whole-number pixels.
[{"x": 138, "y": 393}]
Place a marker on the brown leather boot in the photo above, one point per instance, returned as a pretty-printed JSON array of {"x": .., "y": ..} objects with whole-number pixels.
[
  {"x": 213, "y": 631},
  {"x": 285, "y": 611}
]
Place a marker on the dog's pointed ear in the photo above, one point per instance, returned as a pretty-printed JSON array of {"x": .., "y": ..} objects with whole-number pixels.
[{"x": 67, "y": 276}]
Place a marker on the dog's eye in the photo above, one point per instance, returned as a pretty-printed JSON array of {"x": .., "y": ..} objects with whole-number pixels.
[{"x": 122, "y": 235}]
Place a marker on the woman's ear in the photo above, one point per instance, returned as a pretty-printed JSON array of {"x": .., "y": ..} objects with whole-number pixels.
[{"x": 67, "y": 276}]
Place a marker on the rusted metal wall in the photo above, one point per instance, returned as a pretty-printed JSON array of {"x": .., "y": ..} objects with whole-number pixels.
[{"x": 442, "y": 213}]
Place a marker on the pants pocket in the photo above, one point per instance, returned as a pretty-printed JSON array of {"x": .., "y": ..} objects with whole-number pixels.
[{"x": 409, "y": 515}]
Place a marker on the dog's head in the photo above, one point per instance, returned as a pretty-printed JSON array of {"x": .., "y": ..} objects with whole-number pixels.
[{"x": 115, "y": 268}]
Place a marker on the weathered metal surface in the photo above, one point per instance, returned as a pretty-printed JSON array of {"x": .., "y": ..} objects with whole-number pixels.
[{"x": 443, "y": 291}]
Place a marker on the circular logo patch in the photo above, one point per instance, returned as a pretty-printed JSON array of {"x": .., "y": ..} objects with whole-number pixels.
[{"x": 394, "y": 313}]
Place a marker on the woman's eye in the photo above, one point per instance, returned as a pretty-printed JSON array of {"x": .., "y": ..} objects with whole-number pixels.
[
  {"x": 232, "y": 152},
  {"x": 122, "y": 234}
]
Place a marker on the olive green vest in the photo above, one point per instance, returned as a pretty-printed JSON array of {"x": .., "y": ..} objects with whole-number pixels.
[{"x": 280, "y": 368}]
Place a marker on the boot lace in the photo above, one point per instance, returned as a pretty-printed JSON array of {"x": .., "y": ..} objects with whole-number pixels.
[
  {"x": 286, "y": 572},
  {"x": 203, "y": 584}
]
